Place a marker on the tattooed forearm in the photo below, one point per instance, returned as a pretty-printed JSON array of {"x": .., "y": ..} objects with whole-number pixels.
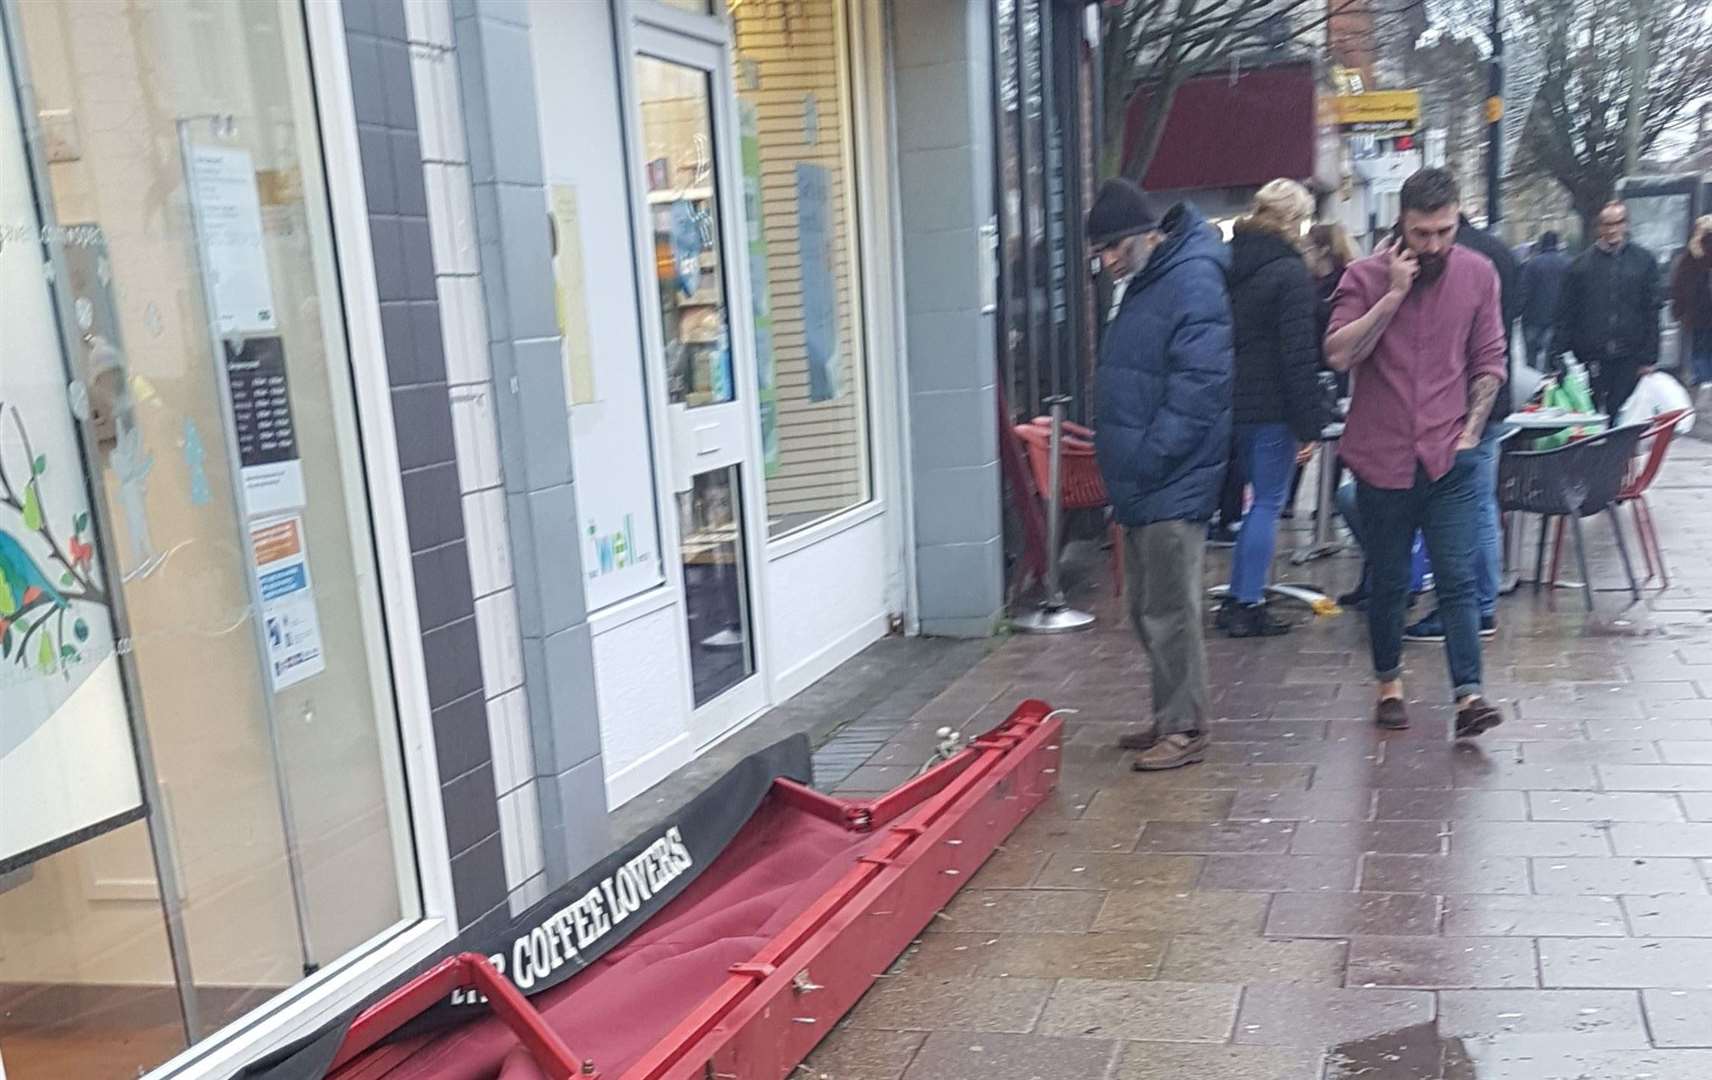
[
  {"x": 1349, "y": 345},
  {"x": 1482, "y": 392}
]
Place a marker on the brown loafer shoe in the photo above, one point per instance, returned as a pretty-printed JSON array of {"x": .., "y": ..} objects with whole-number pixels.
[
  {"x": 1138, "y": 740},
  {"x": 1477, "y": 716},
  {"x": 1171, "y": 752},
  {"x": 1391, "y": 715}
]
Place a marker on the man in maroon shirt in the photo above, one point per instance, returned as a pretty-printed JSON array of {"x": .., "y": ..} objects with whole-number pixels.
[{"x": 1419, "y": 327}]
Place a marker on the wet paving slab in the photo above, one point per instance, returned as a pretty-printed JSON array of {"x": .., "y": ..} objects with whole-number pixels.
[{"x": 1321, "y": 899}]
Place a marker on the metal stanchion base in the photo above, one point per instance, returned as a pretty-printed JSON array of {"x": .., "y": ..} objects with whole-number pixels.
[{"x": 1052, "y": 620}]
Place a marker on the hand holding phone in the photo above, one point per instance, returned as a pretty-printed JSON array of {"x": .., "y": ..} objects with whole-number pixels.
[{"x": 1405, "y": 265}]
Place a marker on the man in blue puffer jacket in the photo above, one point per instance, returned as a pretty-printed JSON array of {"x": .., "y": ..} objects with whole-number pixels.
[{"x": 1164, "y": 412}]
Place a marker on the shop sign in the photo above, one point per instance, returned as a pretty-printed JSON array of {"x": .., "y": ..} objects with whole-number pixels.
[{"x": 1378, "y": 112}]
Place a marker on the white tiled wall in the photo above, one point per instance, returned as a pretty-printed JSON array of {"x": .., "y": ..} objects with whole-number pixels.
[{"x": 463, "y": 322}]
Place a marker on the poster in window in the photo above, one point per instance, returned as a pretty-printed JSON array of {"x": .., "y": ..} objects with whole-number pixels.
[
  {"x": 766, "y": 365},
  {"x": 570, "y": 295},
  {"x": 291, "y": 627},
  {"x": 67, "y": 768},
  {"x": 819, "y": 284}
]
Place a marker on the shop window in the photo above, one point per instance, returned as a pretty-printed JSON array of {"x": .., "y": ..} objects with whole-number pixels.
[
  {"x": 800, "y": 191},
  {"x": 185, "y": 549}
]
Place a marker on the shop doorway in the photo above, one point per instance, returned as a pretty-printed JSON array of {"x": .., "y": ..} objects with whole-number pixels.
[{"x": 692, "y": 219}]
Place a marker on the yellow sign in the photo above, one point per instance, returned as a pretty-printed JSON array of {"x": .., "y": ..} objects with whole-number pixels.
[
  {"x": 1494, "y": 109},
  {"x": 1391, "y": 112}
]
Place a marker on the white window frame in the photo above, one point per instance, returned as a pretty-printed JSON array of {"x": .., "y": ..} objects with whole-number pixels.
[{"x": 304, "y": 1007}]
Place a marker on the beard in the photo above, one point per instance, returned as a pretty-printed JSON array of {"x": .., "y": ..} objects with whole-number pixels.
[{"x": 1432, "y": 268}]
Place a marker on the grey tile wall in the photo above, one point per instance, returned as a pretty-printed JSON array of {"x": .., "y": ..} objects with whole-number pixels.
[
  {"x": 497, "y": 89},
  {"x": 390, "y": 146},
  {"x": 942, "y": 78}
]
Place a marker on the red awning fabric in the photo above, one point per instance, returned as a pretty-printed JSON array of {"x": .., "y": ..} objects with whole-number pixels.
[
  {"x": 632, "y": 997},
  {"x": 1225, "y": 133}
]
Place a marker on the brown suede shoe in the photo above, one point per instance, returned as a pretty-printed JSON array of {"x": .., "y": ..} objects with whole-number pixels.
[
  {"x": 1171, "y": 752},
  {"x": 1138, "y": 740},
  {"x": 1476, "y": 716},
  {"x": 1391, "y": 715}
]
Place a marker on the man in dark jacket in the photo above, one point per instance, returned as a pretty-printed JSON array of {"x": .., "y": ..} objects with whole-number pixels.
[
  {"x": 1541, "y": 284},
  {"x": 1608, "y": 312},
  {"x": 1164, "y": 386}
]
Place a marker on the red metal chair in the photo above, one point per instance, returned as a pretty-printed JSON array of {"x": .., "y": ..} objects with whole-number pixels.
[
  {"x": 1083, "y": 488},
  {"x": 1634, "y": 492}
]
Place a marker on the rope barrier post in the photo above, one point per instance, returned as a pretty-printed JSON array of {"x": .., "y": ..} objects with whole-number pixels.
[{"x": 1054, "y": 615}]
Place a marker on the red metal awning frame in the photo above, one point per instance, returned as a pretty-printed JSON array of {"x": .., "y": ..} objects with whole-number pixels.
[{"x": 772, "y": 1010}]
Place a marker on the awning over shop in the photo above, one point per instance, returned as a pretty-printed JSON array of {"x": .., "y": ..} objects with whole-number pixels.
[{"x": 1224, "y": 132}]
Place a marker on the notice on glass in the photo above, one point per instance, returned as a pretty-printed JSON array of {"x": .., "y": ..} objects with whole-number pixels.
[
  {"x": 571, "y": 295},
  {"x": 819, "y": 285},
  {"x": 291, "y": 629},
  {"x": 262, "y": 425},
  {"x": 229, "y": 227}
]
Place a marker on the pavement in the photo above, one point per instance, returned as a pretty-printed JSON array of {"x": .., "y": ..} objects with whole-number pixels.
[{"x": 1321, "y": 899}]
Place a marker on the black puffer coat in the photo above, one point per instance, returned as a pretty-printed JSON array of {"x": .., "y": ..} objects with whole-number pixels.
[{"x": 1275, "y": 311}]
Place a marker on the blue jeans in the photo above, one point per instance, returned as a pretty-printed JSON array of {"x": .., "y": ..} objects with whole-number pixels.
[
  {"x": 1701, "y": 351},
  {"x": 1447, "y": 512},
  {"x": 1268, "y": 456},
  {"x": 1488, "y": 537}
]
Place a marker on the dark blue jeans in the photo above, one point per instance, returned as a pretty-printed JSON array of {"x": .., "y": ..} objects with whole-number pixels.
[
  {"x": 1489, "y": 535},
  {"x": 1268, "y": 456},
  {"x": 1447, "y": 512},
  {"x": 1701, "y": 354}
]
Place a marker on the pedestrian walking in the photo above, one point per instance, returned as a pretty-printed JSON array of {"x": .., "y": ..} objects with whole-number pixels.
[
  {"x": 1607, "y": 314},
  {"x": 1541, "y": 286},
  {"x": 1691, "y": 299},
  {"x": 1328, "y": 255},
  {"x": 1164, "y": 385},
  {"x": 1488, "y": 538},
  {"x": 1420, "y": 328},
  {"x": 1276, "y": 395}
]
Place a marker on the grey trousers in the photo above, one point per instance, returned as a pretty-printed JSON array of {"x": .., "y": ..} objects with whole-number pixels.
[{"x": 1162, "y": 585}]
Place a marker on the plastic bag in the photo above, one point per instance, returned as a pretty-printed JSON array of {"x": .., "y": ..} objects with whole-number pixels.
[{"x": 1657, "y": 393}]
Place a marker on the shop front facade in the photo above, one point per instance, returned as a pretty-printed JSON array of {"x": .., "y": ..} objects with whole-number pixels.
[{"x": 424, "y": 426}]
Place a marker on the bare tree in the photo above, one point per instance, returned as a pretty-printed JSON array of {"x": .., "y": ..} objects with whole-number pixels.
[
  {"x": 1158, "y": 45},
  {"x": 1578, "y": 123}
]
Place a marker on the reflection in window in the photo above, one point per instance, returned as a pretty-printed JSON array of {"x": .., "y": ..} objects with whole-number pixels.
[
  {"x": 211, "y": 345},
  {"x": 721, "y": 654},
  {"x": 683, "y": 203},
  {"x": 800, "y": 209}
]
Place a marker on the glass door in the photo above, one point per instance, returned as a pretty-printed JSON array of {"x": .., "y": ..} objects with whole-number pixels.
[{"x": 692, "y": 223}]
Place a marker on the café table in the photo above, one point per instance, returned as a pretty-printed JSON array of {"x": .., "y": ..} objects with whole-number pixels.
[{"x": 1530, "y": 425}]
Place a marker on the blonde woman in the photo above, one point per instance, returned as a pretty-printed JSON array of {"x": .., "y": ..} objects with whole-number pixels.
[
  {"x": 1275, "y": 400},
  {"x": 1691, "y": 298}
]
